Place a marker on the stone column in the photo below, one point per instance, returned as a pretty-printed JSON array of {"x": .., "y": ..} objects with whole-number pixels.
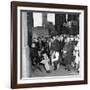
[
  {"x": 66, "y": 17},
  {"x": 26, "y": 70},
  {"x": 59, "y": 20},
  {"x": 44, "y": 20}
]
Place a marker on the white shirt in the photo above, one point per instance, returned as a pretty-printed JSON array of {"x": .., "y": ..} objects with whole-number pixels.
[
  {"x": 46, "y": 63},
  {"x": 55, "y": 56},
  {"x": 77, "y": 58}
]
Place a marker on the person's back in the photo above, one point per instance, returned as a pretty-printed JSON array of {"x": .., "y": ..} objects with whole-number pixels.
[{"x": 55, "y": 45}]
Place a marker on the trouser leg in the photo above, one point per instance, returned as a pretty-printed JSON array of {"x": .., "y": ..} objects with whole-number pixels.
[{"x": 55, "y": 65}]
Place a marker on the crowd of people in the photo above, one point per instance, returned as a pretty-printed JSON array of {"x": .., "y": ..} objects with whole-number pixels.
[{"x": 55, "y": 51}]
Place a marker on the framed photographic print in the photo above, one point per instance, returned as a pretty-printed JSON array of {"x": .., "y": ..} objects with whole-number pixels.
[{"x": 48, "y": 44}]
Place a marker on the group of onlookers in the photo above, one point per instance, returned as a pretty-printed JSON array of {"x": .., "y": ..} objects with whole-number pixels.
[{"x": 55, "y": 51}]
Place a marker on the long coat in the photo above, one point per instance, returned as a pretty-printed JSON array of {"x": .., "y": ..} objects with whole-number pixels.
[{"x": 68, "y": 56}]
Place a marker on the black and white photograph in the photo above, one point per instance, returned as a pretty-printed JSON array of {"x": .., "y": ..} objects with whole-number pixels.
[{"x": 49, "y": 44}]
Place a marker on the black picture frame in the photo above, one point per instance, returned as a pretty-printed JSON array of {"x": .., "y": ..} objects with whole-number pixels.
[{"x": 14, "y": 5}]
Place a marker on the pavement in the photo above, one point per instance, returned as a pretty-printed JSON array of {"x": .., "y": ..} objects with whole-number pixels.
[{"x": 59, "y": 72}]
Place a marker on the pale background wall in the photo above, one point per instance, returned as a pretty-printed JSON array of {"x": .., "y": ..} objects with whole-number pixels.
[{"x": 5, "y": 44}]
